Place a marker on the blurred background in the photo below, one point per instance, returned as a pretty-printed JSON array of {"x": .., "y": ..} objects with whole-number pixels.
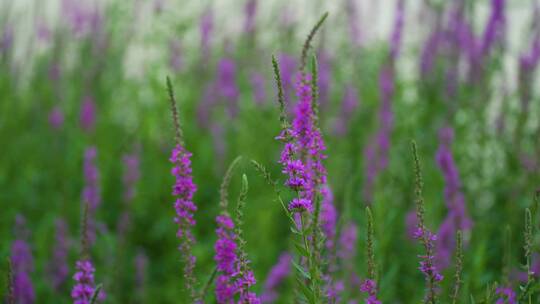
[{"x": 84, "y": 113}]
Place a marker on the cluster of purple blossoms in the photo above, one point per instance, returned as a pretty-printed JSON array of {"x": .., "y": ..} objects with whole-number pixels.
[
  {"x": 397, "y": 33},
  {"x": 377, "y": 151},
  {"x": 369, "y": 286},
  {"x": 457, "y": 218},
  {"x": 231, "y": 280},
  {"x": 427, "y": 263},
  {"x": 183, "y": 190},
  {"x": 349, "y": 104},
  {"x": 58, "y": 267},
  {"x": 258, "y": 87},
  {"x": 277, "y": 275},
  {"x": 206, "y": 27},
  {"x": 88, "y": 114},
  {"x": 22, "y": 263},
  {"x": 84, "y": 288},
  {"x": 329, "y": 217},
  {"x": 495, "y": 27},
  {"x": 303, "y": 152},
  {"x": 507, "y": 296},
  {"x": 226, "y": 84},
  {"x": 91, "y": 192}
]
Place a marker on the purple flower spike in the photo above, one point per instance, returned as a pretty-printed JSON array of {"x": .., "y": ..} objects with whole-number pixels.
[
  {"x": 23, "y": 265},
  {"x": 84, "y": 288},
  {"x": 457, "y": 218},
  {"x": 91, "y": 194},
  {"x": 277, "y": 275},
  {"x": 397, "y": 33},
  {"x": 507, "y": 296},
  {"x": 88, "y": 114},
  {"x": 250, "y": 10},
  {"x": 58, "y": 268},
  {"x": 56, "y": 118},
  {"x": 226, "y": 84}
]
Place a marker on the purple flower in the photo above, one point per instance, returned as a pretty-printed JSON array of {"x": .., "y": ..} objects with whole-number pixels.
[
  {"x": 23, "y": 265},
  {"x": 84, "y": 283},
  {"x": 299, "y": 205},
  {"x": 287, "y": 67},
  {"x": 176, "y": 61},
  {"x": 495, "y": 27},
  {"x": 325, "y": 77},
  {"x": 277, "y": 275},
  {"x": 507, "y": 296},
  {"x": 377, "y": 151},
  {"x": 226, "y": 84},
  {"x": 250, "y": 10},
  {"x": 6, "y": 40},
  {"x": 183, "y": 189},
  {"x": 58, "y": 267},
  {"x": 370, "y": 287},
  {"x": 427, "y": 263},
  {"x": 457, "y": 218},
  {"x": 91, "y": 191},
  {"x": 131, "y": 175},
  {"x": 329, "y": 217},
  {"x": 354, "y": 26},
  {"x": 141, "y": 267},
  {"x": 347, "y": 242},
  {"x": 56, "y": 118},
  {"x": 227, "y": 260},
  {"x": 258, "y": 86},
  {"x": 349, "y": 104},
  {"x": 206, "y": 27},
  {"x": 395, "y": 42},
  {"x": 88, "y": 114}
]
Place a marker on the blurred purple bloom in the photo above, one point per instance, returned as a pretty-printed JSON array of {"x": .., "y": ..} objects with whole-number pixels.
[
  {"x": 506, "y": 296},
  {"x": 6, "y": 41},
  {"x": 226, "y": 259},
  {"x": 91, "y": 193},
  {"x": 377, "y": 151},
  {"x": 206, "y": 27},
  {"x": 58, "y": 267},
  {"x": 141, "y": 268},
  {"x": 84, "y": 283},
  {"x": 325, "y": 77},
  {"x": 176, "y": 61},
  {"x": 250, "y": 10},
  {"x": 348, "y": 106},
  {"x": 427, "y": 263},
  {"x": 277, "y": 275},
  {"x": 397, "y": 33},
  {"x": 457, "y": 218},
  {"x": 494, "y": 30},
  {"x": 88, "y": 114},
  {"x": 22, "y": 266},
  {"x": 329, "y": 217},
  {"x": 429, "y": 52},
  {"x": 259, "y": 88},
  {"x": 56, "y": 117},
  {"x": 226, "y": 84},
  {"x": 131, "y": 175},
  {"x": 353, "y": 22},
  {"x": 370, "y": 287},
  {"x": 287, "y": 67},
  {"x": 348, "y": 241}
]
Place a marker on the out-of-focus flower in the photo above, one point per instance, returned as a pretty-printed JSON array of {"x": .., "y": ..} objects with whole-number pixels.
[
  {"x": 88, "y": 114},
  {"x": 277, "y": 275},
  {"x": 56, "y": 117}
]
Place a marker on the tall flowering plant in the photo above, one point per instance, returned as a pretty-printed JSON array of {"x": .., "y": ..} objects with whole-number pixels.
[{"x": 183, "y": 190}]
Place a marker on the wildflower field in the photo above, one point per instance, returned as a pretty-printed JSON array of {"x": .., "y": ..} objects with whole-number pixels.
[{"x": 249, "y": 151}]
